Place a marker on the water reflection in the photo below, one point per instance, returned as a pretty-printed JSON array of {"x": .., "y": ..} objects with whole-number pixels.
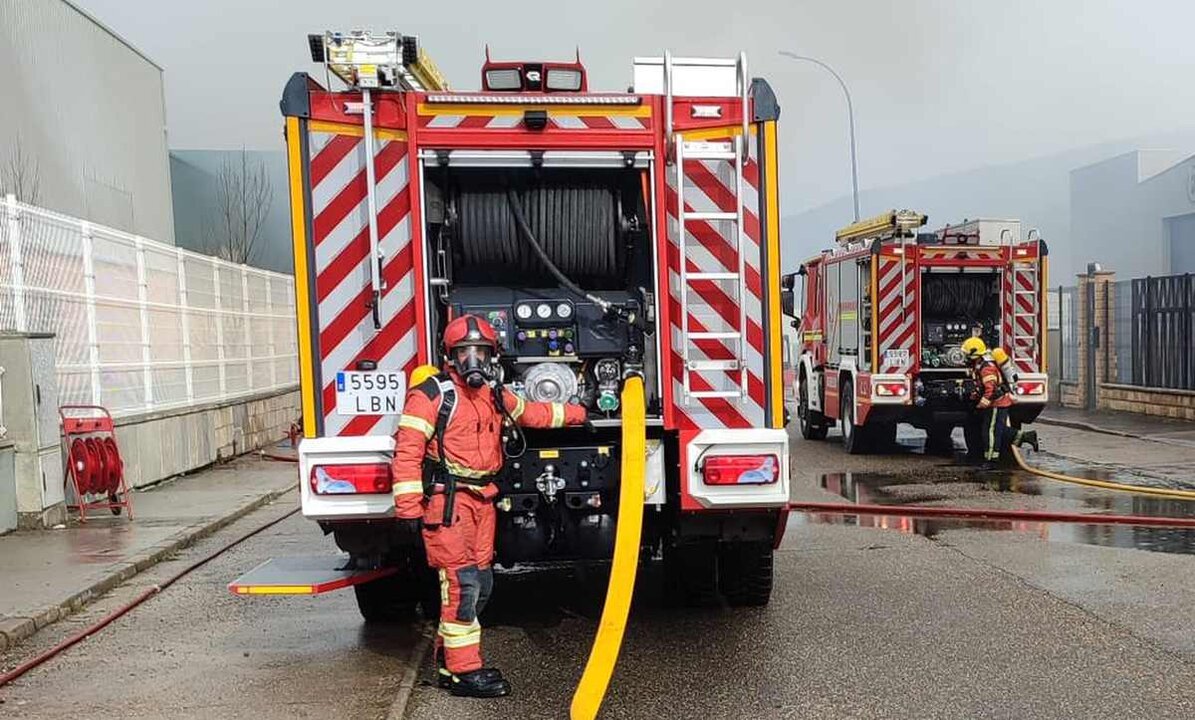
[{"x": 982, "y": 489}]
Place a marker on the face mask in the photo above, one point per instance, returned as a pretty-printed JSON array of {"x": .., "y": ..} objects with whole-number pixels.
[{"x": 473, "y": 364}]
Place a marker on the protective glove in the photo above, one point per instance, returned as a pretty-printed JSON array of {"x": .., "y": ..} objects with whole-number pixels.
[{"x": 408, "y": 527}]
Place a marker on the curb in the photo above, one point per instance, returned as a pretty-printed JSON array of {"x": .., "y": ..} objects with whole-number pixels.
[
  {"x": 1088, "y": 427},
  {"x": 410, "y": 676},
  {"x": 15, "y": 629}
]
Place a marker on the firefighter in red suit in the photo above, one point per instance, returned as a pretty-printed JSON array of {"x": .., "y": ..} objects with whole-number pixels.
[
  {"x": 449, "y": 449},
  {"x": 995, "y": 398}
]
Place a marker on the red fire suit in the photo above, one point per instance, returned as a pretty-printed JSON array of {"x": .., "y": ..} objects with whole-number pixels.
[
  {"x": 994, "y": 401},
  {"x": 462, "y": 551}
]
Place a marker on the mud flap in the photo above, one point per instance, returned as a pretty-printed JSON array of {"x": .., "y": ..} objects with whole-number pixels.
[{"x": 304, "y": 575}]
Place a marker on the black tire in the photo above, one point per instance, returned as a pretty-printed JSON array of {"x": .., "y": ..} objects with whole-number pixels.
[
  {"x": 745, "y": 572},
  {"x": 938, "y": 440},
  {"x": 881, "y": 436},
  {"x": 813, "y": 423},
  {"x": 691, "y": 575},
  {"x": 854, "y": 437},
  {"x": 386, "y": 600}
]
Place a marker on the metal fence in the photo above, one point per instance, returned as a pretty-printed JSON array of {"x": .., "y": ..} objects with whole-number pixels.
[
  {"x": 1068, "y": 325},
  {"x": 141, "y": 325},
  {"x": 1122, "y": 349},
  {"x": 1163, "y": 314}
]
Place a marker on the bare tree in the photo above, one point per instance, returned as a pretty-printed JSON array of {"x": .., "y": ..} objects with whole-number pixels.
[
  {"x": 21, "y": 175},
  {"x": 244, "y": 195}
]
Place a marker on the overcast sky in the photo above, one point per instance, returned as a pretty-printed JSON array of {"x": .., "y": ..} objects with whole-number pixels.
[{"x": 938, "y": 85}]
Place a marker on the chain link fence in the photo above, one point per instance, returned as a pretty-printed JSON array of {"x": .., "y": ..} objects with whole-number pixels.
[
  {"x": 1068, "y": 325},
  {"x": 140, "y": 325}
]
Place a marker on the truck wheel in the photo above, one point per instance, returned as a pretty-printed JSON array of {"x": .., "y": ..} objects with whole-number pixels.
[
  {"x": 882, "y": 436},
  {"x": 854, "y": 439},
  {"x": 386, "y": 600},
  {"x": 813, "y": 423},
  {"x": 938, "y": 440},
  {"x": 691, "y": 574},
  {"x": 745, "y": 573}
]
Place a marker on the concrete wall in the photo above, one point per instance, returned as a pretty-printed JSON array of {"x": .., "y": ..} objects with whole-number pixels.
[
  {"x": 156, "y": 446},
  {"x": 89, "y": 111},
  {"x": 1119, "y": 210}
]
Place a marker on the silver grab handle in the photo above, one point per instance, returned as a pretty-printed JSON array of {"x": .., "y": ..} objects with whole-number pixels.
[
  {"x": 744, "y": 90},
  {"x": 668, "y": 105},
  {"x": 375, "y": 258}
]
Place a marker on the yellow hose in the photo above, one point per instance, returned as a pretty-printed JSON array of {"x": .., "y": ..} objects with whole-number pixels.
[
  {"x": 598, "y": 671},
  {"x": 1167, "y": 493}
]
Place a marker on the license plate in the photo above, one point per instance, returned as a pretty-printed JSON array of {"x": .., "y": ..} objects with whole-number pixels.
[{"x": 370, "y": 393}]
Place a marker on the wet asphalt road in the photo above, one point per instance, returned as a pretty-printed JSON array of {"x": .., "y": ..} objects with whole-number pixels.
[{"x": 892, "y": 620}]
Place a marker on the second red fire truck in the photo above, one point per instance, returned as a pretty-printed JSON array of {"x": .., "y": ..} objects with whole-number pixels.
[{"x": 884, "y": 316}]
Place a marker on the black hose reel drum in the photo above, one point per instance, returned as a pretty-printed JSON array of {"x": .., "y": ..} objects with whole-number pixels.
[{"x": 578, "y": 221}]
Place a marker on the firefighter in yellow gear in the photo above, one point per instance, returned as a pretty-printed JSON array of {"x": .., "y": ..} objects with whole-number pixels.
[{"x": 995, "y": 398}]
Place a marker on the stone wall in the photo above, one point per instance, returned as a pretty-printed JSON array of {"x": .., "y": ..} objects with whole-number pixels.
[
  {"x": 1110, "y": 395},
  {"x": 1179, "y": 404},
  {"x": 159, "y": 445}
]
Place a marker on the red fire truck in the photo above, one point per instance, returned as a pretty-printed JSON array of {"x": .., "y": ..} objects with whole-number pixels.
[
  {"x": 657, "y": 205},
  {"x": 886, "y": 311}
]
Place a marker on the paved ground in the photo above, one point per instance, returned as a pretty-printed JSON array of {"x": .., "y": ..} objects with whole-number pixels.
[
  {"x": 48, "y": 571},
  {"x": 895, "y": 620}
]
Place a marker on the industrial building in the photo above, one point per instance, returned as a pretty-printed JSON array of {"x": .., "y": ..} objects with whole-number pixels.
[
  {"x": 1135, "y": 213},
  {"x": 83, "y": 122}
]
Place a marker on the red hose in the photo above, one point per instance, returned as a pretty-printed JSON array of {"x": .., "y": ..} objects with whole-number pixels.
[
  {"x": 835, "y": 508},
  {"x": 82, "y": 635}
]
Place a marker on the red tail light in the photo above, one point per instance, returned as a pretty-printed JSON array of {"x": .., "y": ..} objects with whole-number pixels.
[
  {"x": 890, "y": 389},
  {"x": 350, "y": 479},
  {"x": 1031, "y": 388},
  {"x": 741, "y": 470}
]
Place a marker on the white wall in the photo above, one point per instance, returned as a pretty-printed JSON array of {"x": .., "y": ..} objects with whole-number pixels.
[{"x": 90, "y": 110}]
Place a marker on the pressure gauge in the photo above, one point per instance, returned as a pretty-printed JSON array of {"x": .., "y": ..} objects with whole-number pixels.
[
  {"x": 523, "y": 312},
  {"x": 564, "y": 310},
  {"x": 543, "y": 311}
]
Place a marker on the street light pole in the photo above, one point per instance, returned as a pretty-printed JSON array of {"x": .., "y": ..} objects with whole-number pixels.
[{"x": 850, "y": 111}]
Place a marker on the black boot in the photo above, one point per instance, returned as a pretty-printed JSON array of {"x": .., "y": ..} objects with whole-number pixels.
[
  {"x": 444, "y": 675},
  {"x": 483, "y": 683},
  {"x": 1028, "y": 437}
]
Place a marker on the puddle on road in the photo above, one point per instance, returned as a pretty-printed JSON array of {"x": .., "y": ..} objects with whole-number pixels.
[{"x": 980, "y": 489}]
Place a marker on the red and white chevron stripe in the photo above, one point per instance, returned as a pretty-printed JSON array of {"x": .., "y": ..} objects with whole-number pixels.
[
  {"x": 897, "y": 313},
  {"x": 709, "y": 186},
  {"x": 512, "y": 121},
  {"x": 340, "y": 232}
]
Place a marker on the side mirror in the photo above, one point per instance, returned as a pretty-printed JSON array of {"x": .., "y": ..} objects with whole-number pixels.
[{"x": 787, "y": 298}]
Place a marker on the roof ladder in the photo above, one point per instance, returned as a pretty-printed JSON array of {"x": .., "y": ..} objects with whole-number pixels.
[{"x": 731, "y": 281}]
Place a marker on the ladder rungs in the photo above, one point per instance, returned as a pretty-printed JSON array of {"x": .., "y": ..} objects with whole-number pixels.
[
  {"x": 712, "y": 276},
  {"x": 704, "y": 365},
  {"x": 711, "y": 216},
  {"x": 728, "y": 335},
  {"x": 715, "y": 393},
  {"x": 711, "y": 155}
]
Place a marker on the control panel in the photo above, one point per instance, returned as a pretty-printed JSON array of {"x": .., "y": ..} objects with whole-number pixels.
[{"x": 549, "y": 323}]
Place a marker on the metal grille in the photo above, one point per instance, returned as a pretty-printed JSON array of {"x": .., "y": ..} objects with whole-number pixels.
[
  {"x": 1162, "y": 321},
  {"x": 1123, "y": 347},
  {"x": 140, "y": 325},
  {"x": 1068, "y": 311}
]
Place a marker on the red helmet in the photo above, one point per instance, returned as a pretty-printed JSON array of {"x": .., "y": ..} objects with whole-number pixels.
[
  {"x": 471, "y": 345},
  {"x": 469, "y": 330}
]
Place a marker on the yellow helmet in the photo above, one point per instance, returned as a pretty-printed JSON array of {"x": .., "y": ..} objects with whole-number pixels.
[
  {"x": 421, "y": 373},
  {"x": 974, "y": 348}
]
